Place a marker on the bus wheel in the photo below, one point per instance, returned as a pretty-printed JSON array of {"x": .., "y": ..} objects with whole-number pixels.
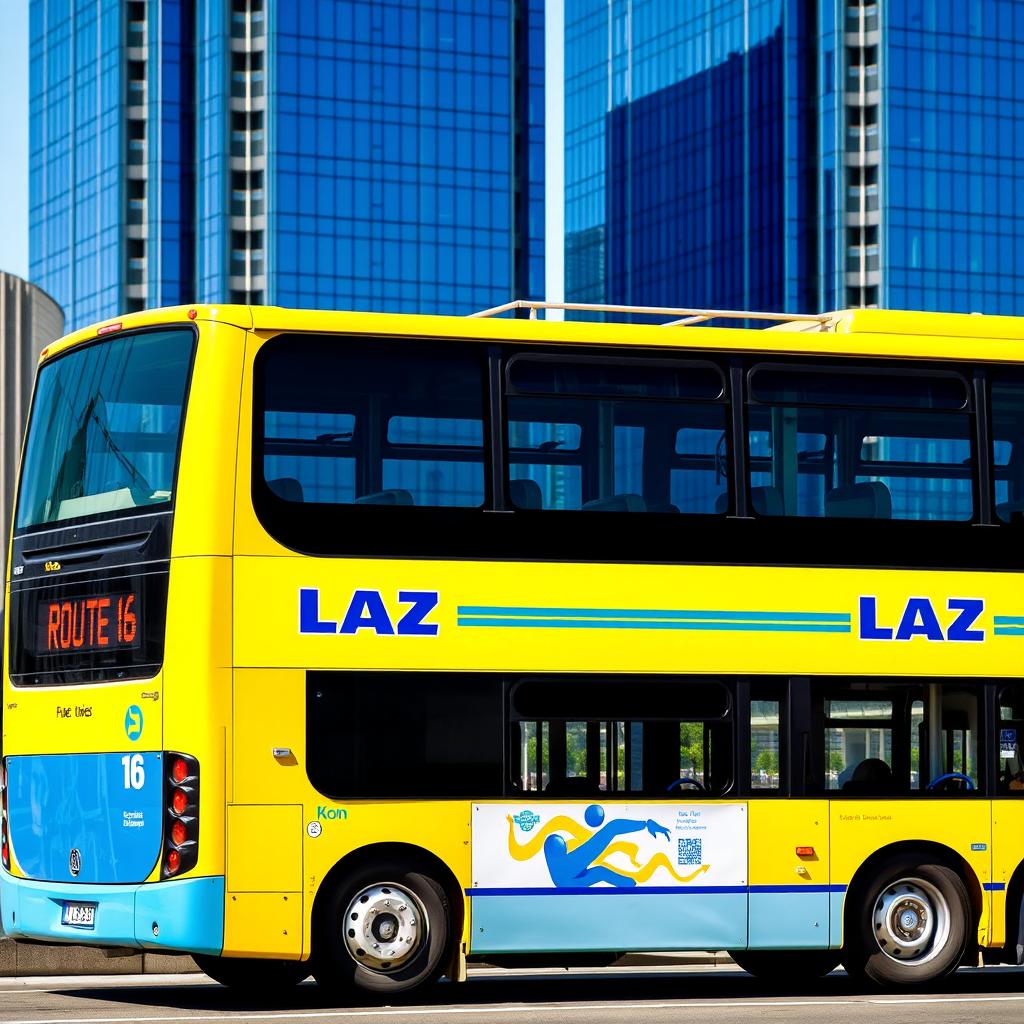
[
  {"x": 384, "y": 929},
  {"x": 783, "y": 966},
  {"x": 910, "y": 926},
  {"x": 253, "y": 975}
]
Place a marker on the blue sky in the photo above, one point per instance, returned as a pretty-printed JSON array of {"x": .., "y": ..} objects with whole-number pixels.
[{"x": 14, "y": 137}]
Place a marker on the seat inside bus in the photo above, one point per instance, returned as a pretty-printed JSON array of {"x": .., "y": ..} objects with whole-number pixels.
[{"x": 869, "y": 500}]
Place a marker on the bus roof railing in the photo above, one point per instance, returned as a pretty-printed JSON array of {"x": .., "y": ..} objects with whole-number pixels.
[{"x": 683, "y": 317}]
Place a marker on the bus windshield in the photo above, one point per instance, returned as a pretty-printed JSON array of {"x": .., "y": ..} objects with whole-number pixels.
[{"x": 105, "y": 426}]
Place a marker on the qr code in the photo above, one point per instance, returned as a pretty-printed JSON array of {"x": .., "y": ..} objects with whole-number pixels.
[{"x": 690, "y": 851}]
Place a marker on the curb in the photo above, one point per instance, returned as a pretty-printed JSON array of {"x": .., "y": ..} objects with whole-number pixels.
[
  {"x": 36, "y": 960},
  {"x": 31, "y": 960}
]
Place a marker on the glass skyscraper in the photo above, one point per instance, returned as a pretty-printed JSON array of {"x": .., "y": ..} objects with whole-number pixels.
[
  {"x": 392, "y": 154},
  {"x": 795, "y": 154},
  {"x": 328, "y": 153}
]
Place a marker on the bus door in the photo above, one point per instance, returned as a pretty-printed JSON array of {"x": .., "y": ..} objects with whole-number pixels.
[
  {"x": 617, "y": 836},
  {"x": 791, "y": 901}
]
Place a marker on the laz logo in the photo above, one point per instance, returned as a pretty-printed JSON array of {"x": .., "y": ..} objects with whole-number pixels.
[
  {"x": 920, "y": 618},
  {"x": 366, "y": 610}
]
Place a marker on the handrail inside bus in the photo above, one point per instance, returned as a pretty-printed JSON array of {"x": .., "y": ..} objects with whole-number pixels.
[{"x": 684, "y": 317}]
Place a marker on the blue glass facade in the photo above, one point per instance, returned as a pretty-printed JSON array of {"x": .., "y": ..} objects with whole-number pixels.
[
  {"x": 390, "y": 154},
  {"x": 786, "y": 154},
  {"x": 953, "y": 151},
  {"x": 75, "y": 83},
  {"x": 358, "y": 154},
  {"x": 688, "y": 154}
]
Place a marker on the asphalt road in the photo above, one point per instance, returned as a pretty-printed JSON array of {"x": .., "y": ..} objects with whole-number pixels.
[{"x": 717, "y": 995}]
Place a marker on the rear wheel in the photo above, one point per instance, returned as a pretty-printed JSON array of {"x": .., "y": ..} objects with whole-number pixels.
[
  {"x": 910, "y": 925},
  {"x": 384, "y": 929},
  {"x": 782, "y": 966},
  {"x": 253, "y": 975}
]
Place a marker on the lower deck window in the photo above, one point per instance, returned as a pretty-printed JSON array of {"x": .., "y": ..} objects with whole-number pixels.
[
  {"x": 413, "y": 734},
  {"x": 647, "y": 738}
]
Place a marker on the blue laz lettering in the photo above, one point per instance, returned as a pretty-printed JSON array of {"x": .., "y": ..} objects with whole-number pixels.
[
  {"x": 367, "y": 611},
  {"x": 970, "y": 609},
  {"x": 309, "y": 613},
  {"x": 423, "y": 603},
  {"x": 919, "y": 619},
  {"x": 869, "y": 629}
]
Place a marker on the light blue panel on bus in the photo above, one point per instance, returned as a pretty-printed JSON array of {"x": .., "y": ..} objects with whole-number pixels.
[
  {"x": 609, "y": 919},
  {"x": 837, "y": 902},
  {"x": 108, "y": 811},
  {"x": 188, "y": 913},
  {"x": 789, "y": 917}
]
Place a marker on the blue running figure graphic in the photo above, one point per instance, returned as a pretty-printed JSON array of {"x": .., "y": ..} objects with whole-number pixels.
[{"x": 575, "y": 868}]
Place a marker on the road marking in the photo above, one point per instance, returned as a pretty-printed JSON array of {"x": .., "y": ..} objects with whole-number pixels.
[{"x": 533, "y": 1008}]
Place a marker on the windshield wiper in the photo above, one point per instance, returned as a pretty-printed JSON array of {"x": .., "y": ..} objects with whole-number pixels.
[{"x": 133, "y": 471}]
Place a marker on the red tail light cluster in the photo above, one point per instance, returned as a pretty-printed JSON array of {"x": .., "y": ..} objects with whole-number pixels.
[
  {"x": 181, "y": 814},
  {"x": 5, "y": 846}
]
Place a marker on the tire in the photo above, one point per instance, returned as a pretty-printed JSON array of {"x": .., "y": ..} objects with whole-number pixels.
[
  {"x": 908, "y": 925},
  {"x": 786, "y": 966},
  {"x": 253, "y": 975},
  {"x": 383, "y": 930}
]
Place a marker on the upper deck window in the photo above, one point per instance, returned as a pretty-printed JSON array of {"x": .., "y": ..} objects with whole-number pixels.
[
  {"x": 616, "y": 435},
  {"x": 105, "y": 427},
  {"x": 1008, "y": 447},
  {"x": 371, "y": 422},
  {"x": 859, "y": 443}
]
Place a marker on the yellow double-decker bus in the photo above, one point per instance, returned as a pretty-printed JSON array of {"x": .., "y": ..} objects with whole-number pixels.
[{"x": 364, "y": 645}]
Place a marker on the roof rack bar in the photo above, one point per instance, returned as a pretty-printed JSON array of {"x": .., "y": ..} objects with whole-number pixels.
[{"x": 686, "y": 316}]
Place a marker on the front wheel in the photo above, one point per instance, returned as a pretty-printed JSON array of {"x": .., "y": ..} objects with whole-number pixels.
[
  {"x": 383, "y": 930},
  {"x": 786, "y": 966},
  {"x": 910, "y": 925},
  {"x": 263, "y": 976}
]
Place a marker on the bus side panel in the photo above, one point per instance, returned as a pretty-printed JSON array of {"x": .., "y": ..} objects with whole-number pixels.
[
  {"x": 1007, "y": 854},
  {"x": 269, "y": 708},
  {"x": 263, "y": 907},
  {"x": 789, "y": 892},
  {"x": 861, "y": 827}
]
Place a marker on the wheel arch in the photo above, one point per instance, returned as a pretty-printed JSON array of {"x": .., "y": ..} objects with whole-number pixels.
[
  {"x": 415, "y": 857},
  {"x": 930, "y": 853}
]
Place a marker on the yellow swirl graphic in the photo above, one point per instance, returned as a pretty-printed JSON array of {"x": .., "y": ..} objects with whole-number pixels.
[
  {"x": 524, "y": 851},
  {"x": 578, "y": 835}
]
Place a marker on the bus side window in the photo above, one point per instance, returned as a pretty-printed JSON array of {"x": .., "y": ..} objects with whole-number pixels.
[
  {"x": 584, "y": 738},
  {"x": 765, "y": 746},
  {"x": 350, "y": 421},
  {"x": 616, "y": 435},
  {"x": 1010, "y": 746},
  {"x": 853, "y": 443},
  {"x": 1008, "y": 448}
]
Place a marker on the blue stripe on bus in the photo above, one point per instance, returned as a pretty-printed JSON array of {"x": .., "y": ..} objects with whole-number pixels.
[
  {"x": 1008, "y": 620},
  {"x": 652, "y": 613},
  {"x": 656, "y": 890},
  {"x": 994, "y": 886},
  {"x": 1009, "y": 631},
  {"x": 759, "y": 627}
]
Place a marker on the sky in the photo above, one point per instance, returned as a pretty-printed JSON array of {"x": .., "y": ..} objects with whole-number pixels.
[{"x": 14, "y": 136}]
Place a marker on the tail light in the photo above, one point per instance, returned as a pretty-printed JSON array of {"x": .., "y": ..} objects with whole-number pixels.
[
  {"x": 5, "y": 846},
  {"x": 181, "y": 814}
]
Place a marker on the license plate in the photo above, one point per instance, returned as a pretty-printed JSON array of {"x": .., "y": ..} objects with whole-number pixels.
[{"x": 79, "y": 915}]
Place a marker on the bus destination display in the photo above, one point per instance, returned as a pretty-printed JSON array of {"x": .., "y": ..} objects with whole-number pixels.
[{"x": 100, "y": 622}]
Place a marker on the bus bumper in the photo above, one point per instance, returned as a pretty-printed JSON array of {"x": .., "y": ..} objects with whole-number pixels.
[{"x": 186, "y": 914}]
